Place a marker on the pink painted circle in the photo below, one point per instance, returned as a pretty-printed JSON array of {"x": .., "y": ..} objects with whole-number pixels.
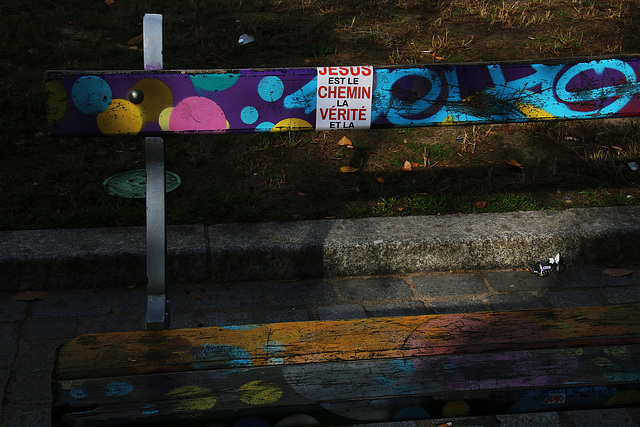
[{"x": 197, "y": 114}]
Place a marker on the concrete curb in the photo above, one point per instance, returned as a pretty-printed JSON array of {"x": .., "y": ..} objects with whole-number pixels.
[{"x": 115, "y": 257}]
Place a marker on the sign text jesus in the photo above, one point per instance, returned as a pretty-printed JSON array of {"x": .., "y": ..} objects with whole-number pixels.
[{"x": 343, "y": 98}]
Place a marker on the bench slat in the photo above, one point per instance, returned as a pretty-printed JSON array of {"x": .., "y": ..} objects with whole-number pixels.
[
  {"x": 374, "y": 390},
  {"x": 116, "y": 354},
  {"x": 259, "y": 100}
]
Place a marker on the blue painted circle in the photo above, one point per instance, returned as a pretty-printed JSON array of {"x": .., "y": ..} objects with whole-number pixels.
[
  {"x": 270, "y": 88},
  {"x": 214, "y": 82},
  {"x": 78, "y": 393},
  {"x": 402, "y": 365},
  {"x": 239, "y": 327},
  {"x": 118, "y": 388},
  {"x": 249, "y": 115},
  {"x": 150, "y": 409},
  {"x": 265, "y": 127},
  {"x": 232, "y": 355},
  {"x": 91, "y": 94}
]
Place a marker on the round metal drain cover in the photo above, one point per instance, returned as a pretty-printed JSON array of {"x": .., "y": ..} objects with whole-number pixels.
[{"x": 133, "y": 184}]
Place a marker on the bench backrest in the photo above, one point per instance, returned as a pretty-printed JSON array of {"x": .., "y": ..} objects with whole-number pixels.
[{"x": 249, "y": 100}]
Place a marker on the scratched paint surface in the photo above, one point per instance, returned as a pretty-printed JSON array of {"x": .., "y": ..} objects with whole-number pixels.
[
  {"x": 359, "y": 370},
  {"x": 152, "y": 103},
  {"x": 371, "y": 390},
  {"x": 308, "y": 342}
]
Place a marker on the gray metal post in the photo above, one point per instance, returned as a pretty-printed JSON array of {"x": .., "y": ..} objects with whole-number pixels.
[
  {"x": 157, "y": 316},
  {"x": 156, "y": 234}
]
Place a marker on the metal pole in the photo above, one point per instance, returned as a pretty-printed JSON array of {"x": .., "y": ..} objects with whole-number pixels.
[{"x": 157, "y": 316}]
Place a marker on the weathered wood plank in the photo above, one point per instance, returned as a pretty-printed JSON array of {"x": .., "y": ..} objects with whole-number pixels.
[
  {"x": 218, "y": 101},
  {"x": 364, "y": 390},
  {"x": 117, "y": 354}
]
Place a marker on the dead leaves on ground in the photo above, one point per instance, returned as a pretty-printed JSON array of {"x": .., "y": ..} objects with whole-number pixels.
[
  {"x": 407, "y": 166},
  {"x": 617, "y": 272},
  {"x": 514, "y": 163},
  {"x": 345, "y": 142},
  {"x": 135, "y": 40},
  {"x": 348, "y": 169},
  {"x": 30, "y": 296}
]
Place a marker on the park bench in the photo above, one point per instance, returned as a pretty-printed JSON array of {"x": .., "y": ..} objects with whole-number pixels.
[{"x": 352, "y": 371}]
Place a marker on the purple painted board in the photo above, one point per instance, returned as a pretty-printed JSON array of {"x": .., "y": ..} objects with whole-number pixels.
[{"x": 218, "y": 101}]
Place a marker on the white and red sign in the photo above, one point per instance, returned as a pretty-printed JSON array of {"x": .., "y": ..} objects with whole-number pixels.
[{"x": 343, "y": 98}]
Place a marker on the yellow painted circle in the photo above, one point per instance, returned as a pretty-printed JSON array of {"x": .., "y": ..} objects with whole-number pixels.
[
  {"x": 121, "y": 117},
  {"x": 291, "y": 124},
  {"x": 571, "y": 352},
  {"x": 625, "y": 398},
  {"x": 193, "y": 398},
  {"x": 459, "y": 408},
  {"x": 164, "y": 118},
  {"x": 157, "y": 97},
  {"x": 70, "y": 385},
  {"x": 602, "y": 361},
  {"x": 617, "y": 352},
  {"x": 56, "y": 101},
  {"x": 259, "y": 393}
]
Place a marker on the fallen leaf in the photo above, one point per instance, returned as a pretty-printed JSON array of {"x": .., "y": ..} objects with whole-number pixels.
[
  {"x": 135, "y": 40},
  {"x": 514, "y": 163},
  {"x": 198, "y": 297},
  {"x": 439, "y": 58},
  {"x": 415, "y": 164},
  {"x": 300, "y": 193},
  {"x": 481, "y": 205},
  {"x": 615, "y": 147},
  {"x": 31, "y": 51},
  {"x": 407, "y": 167},
  {"x": 30, "y": 296},
  {"x": 380, "y": 179},
  {"x": 617, "y": 272},
  {"x": 348, "y": 169},
  {"x": 109, "y": 2},
  {"x": 345, "y": 141},
  {"x": 134, "y": 48}
]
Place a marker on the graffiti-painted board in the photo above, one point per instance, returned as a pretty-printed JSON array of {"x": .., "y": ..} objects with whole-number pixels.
[
  {"x": 362, "y": 370},
  {"x": 264, "y": 100}
]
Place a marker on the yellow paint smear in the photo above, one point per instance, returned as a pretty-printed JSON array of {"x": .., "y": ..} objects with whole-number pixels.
[
  {"x": 193, "y": 398},
  {"x": 121, "y": 117},
  {"x": 291, "y": 124},
  {"x": 259, "y": 393},
  {"x": 56, "y": 101},
  {"x": 456, "y": 409},
  {"x": 534, "y": 112}
]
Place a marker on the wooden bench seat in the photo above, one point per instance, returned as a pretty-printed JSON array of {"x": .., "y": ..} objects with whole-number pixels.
[{"x": 337, "y": 372}]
